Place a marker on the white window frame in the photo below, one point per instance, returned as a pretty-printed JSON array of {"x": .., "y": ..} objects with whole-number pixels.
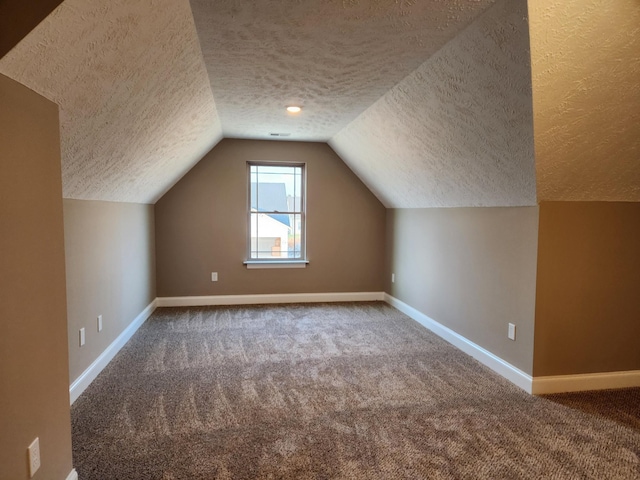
[{"x": 301, "y": 262}]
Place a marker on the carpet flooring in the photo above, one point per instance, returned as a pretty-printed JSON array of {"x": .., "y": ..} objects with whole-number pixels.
[{"x": 332, "y": 391}]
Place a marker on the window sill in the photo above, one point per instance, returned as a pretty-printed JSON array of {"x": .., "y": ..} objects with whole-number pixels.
[{"x": 254, "y": 264}]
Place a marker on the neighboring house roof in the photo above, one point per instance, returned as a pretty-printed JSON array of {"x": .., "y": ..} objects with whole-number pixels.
[
  {"x": 284, "y": 219},
  {"x": 270, "y": 197}
]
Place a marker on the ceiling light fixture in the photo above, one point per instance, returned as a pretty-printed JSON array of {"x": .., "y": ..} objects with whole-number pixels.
[{"x": 294, "y": 109}]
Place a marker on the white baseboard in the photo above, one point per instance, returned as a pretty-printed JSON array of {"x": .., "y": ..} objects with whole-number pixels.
[
  {"x": 533, "y": 385},
  {"x": 588, "y": 381},
  {"x": 495, "y": 363},
  {"x": 276, "y": 298},
  {"x": 73, "y": 475},
  {"x": 84, "y": 380}
]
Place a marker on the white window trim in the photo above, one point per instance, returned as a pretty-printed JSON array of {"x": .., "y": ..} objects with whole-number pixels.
[{"x": 257, "y": 263}]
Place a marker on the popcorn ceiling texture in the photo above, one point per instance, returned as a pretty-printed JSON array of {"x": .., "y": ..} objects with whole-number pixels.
[
  {"x": 427, "y": 116},
  {"x": 334, "y": 57},
  {"x": 458, "y": 130},
  {"x": 586, "y": 96},
  {"x": 136, "y": 108}
]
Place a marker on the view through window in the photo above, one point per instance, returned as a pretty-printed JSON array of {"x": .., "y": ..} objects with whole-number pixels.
[{"x": 276, "y": 211}]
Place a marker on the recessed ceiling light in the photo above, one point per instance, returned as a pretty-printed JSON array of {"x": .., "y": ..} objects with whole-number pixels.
[{"x": 293, "y": 109}]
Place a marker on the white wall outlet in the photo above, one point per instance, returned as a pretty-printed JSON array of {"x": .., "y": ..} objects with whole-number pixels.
[
  {"x": 512, "y": 331},
  {"x": 99, "y": 323},
  {"x": 34, "y": 457},
  {"x": 393, "y": 278},
  {"x": 82, "y": 337},
  {"x": 214, "y": 276}
]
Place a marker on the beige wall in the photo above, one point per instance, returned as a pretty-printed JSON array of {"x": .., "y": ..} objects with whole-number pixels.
[
  {"x": 201, "y": 226},
  {"x": 34, "y": 381},
  {"x": 588, "y": 294},
  {"x": 110, "y": 262},
  {"x": 470, "y": 269},
  {"x": 18, "y": 19},
  {"x": 586, "y": 104}
]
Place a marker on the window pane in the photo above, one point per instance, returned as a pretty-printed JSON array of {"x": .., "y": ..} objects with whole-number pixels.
[
  {"x": 268, "y": 197},
  {"x": 276, "y": 188},
  {"x": 276, "y": 216},
  {"x": 270, "y": 236},
  {"x": 295, "y": 237},
  {"x": 297, "y": 186}
]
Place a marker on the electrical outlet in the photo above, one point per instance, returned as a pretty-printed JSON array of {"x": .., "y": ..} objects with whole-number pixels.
[
  {"x": 82, "y": 337},
  {"x": 393, "y": 278},
  {"x": 34, "y": 457},
  {"x": 214, "y": 276},
  {"x": 99, "y": 323},
  {"x": 512, "y": 332}
]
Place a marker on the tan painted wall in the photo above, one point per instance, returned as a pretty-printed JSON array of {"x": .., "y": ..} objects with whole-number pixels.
[
  {"x": 470, "y": 269},
  {"x": 201, "y": 226},
  {"x": 34, "y": 380},
  {"x": 110, "y": 262},
  {"x": 18, "y": 18},
  {"x": 588, "y": 293}
]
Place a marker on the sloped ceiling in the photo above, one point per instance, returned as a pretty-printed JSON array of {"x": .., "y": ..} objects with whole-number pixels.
[
  {"x": 136, "y": 94},
  {"x": 136, "y": 108},
  {"x": 16, "y": 21},
  {"x": 333, "y": 57},
  {"x": 457, "y": 131},
  {"x": 428, "y": 101},
  {"x": 586, "y": 79}
]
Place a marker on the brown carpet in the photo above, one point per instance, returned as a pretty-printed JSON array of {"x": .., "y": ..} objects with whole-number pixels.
[{"x": 331, "y": 391}]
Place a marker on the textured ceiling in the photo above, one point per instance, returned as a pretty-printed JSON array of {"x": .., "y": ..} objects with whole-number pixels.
[
  {"x": 428, "y": 101},
  {"x": 585, "y": 57},
  {"x": 136, "y": 108},
  {"x": 16, "y": 21},
  {"x": 334, "y": 57},
  {"x": 458, "y": 131}
]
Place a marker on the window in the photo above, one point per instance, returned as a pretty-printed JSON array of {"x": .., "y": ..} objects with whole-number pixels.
[{"x": 276, "y": 213}]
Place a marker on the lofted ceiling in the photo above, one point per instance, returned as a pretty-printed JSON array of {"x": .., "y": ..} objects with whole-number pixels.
[
  {"x": 428, "y": 101},
  {"x": 458, "y": 130},
  {"x": 145, "y": 90},
  {"x": 332, "y": 57},
  {"x": 136, "y": 108}
]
